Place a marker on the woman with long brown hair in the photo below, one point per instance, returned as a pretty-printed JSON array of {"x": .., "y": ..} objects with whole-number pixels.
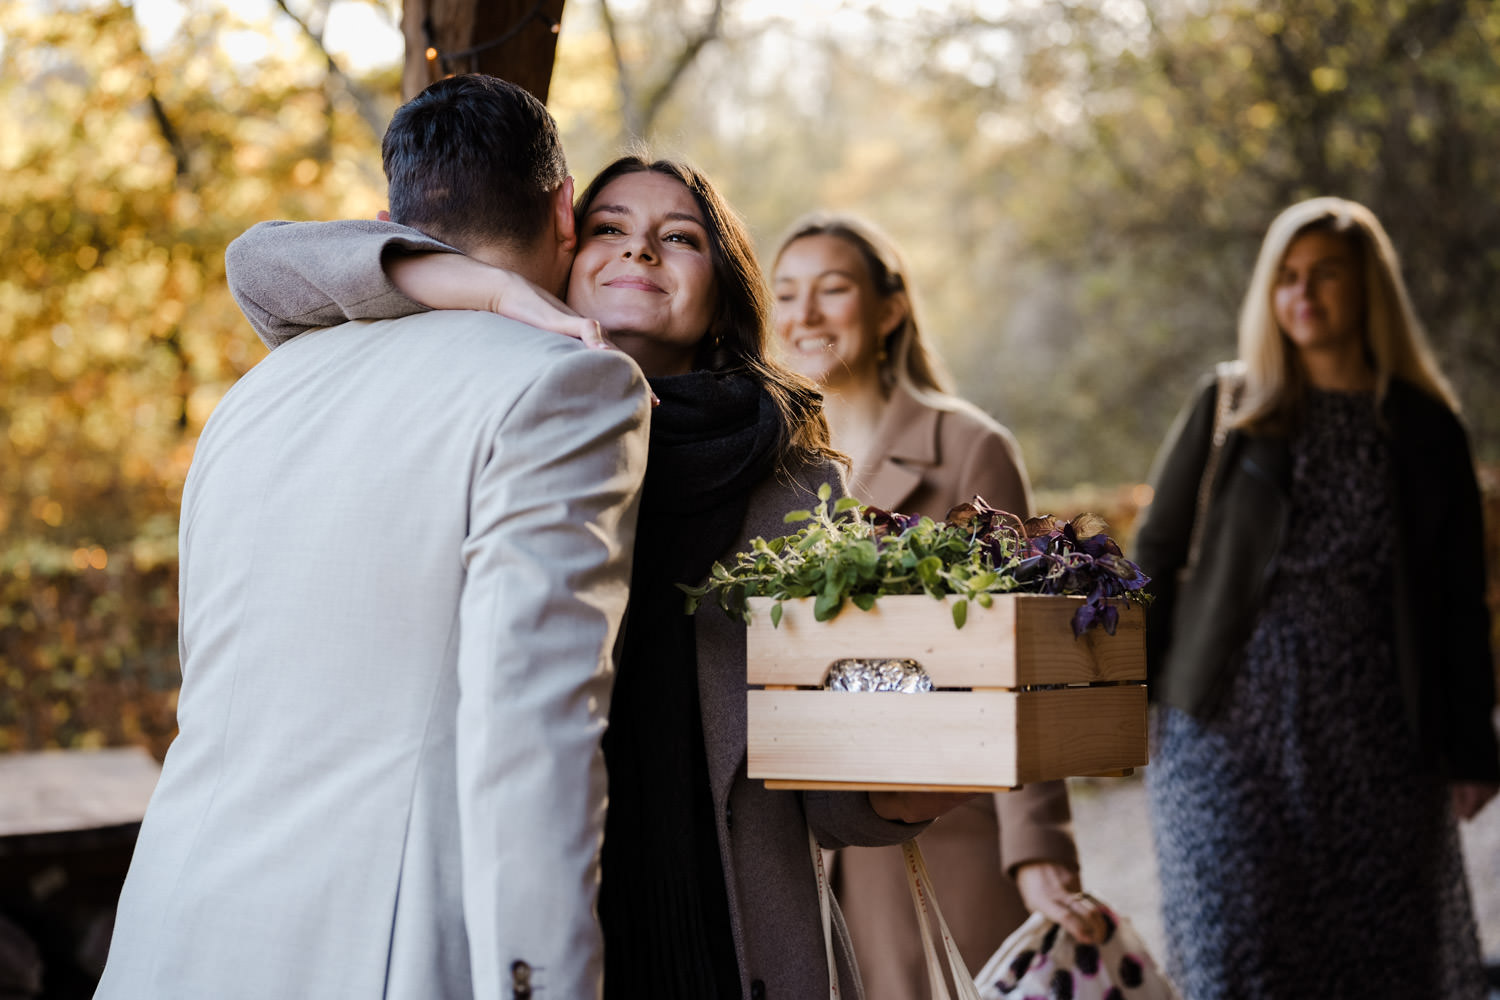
[{"x": 708, "y": 885}]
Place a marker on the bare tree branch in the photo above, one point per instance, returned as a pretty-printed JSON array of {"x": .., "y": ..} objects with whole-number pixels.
[
  {"x": 369, "y": 110},
  {"x": 169, "y": 134},
  {"x": 640, "y": 115},
  {"x": 659, "y": 94},
  {"x": 633, "y": 124}
]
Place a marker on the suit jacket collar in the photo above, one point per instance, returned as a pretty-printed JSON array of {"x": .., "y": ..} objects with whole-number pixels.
[{"x": 906, "y": 443}]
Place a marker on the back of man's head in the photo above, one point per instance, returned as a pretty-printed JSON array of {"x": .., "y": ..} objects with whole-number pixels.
[{"x": 472, "y": 161}]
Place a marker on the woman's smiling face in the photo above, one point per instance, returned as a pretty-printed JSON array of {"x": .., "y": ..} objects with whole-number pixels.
[
  {"x": 644, "y": 270},
  {"x": 829, "y": 318}
]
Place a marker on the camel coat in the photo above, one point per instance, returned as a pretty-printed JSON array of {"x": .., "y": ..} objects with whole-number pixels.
[{"x": 925, "y": 461}]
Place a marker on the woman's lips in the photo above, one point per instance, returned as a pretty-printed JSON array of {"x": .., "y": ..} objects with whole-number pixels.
[
  {"x": 640, "y": 284},
  {"x": 812, "y": 345}
]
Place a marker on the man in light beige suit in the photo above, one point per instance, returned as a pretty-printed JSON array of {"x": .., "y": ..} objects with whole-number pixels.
[{"x": 404, "y": 557}]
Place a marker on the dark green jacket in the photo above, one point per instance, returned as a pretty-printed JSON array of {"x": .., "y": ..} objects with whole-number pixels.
[{"x": 1197, "y": 630}]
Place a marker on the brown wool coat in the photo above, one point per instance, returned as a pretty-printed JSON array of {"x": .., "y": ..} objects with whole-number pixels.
[
  {"x": 925, "y": 461},
  {"x": 768, "y": 868}
]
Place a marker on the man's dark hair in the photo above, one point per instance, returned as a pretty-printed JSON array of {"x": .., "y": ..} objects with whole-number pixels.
[{"x": 472, "y": 160}]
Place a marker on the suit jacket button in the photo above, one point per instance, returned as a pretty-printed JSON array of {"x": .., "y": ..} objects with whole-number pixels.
[
  {"x": 520, "y": 980},
  {"x": 757, "y": 990}
]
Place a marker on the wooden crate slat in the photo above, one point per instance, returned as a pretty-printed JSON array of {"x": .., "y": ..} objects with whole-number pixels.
[
  {"x": 1089, "y": 730},
  {"x": 936, "y": 738},
  {"x": 943, "y": 739},
  {"x": 1047, "y": 652},
  {"x": 1021, "y": 640}
]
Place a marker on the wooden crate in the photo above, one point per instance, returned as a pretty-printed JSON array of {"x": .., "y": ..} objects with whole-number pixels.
[{"x": 1017, "y": 698}]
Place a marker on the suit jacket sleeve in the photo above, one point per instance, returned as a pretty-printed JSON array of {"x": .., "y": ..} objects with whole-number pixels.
[
  {"x": 291, "y": 277},
  {"x": 547, "y": 560}
]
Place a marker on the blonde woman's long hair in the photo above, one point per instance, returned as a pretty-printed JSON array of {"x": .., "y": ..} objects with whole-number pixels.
[
  {"x": 1395, "y": 344},
  {"x": 910, "y": 362}
]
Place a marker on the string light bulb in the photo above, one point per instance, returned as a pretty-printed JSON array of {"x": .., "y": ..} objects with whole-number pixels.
[{"x": 446, "y": 60}]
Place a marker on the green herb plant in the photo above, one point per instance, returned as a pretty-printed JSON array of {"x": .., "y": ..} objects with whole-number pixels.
[{"x": 854, "y": 553}]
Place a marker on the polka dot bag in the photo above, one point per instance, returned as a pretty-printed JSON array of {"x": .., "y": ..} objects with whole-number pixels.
[{"x": 1041, "y": 961}]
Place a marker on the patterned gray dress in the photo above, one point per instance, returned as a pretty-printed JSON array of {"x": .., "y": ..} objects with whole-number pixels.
[{"x": 1302, "y": 854}]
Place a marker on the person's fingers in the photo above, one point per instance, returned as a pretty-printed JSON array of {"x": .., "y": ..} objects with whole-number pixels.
[
  {"x": 1060, "y": 911},
  {"x": 1081, "y": 916},
  {"x": 593, "y": 335},
  {"x": 1093, "y": 916},
  {"x": 1090, "y": 915}
]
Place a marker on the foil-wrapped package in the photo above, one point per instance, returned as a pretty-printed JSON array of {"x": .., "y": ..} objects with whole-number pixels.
[{"x": 906, "y": 676}]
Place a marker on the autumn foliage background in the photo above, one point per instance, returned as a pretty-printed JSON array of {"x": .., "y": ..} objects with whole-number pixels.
[{"x": 1080, "y": 189}]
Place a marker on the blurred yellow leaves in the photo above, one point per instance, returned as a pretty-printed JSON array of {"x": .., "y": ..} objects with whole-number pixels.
[
  {"x": 47, "y": 510},
  {"x": 28, "y": 431},
  {"x": 1329, "y": 78},
  {"x": 305, "y": 172},
  {"x": 90, "y": 558},
  {"x": 1154, "y": 110},
  {"x": 126, "y": 173},
  {"x": 1262, "y": 115},
  {"x": 87, "y": 649}
]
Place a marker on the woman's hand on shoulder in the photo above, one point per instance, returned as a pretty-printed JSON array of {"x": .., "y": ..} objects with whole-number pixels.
[
  {"x": 454, "y": 281},
  {"x": 519, "y": 299}
]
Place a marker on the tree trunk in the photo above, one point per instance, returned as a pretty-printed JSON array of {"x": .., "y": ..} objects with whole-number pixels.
[{"x": 515, "y": 40}]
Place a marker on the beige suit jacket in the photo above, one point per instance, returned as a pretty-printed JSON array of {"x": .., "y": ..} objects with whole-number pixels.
[
  {"x": 405, "y": 552},
  {"x": 927, "y": 460}
]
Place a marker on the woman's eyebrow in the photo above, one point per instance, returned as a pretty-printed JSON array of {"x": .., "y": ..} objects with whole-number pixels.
[
  {"x": 832, "y": 272},
  {"x": 1333, "y": 258},
  {"x": 623, "y": 210}
]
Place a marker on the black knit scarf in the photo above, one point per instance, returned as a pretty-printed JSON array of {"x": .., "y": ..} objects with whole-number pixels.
[{"x": 662, "y": 901}]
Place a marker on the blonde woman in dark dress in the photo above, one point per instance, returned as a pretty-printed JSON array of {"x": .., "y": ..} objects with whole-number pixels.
[{"x": 1323, "y": 673}]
